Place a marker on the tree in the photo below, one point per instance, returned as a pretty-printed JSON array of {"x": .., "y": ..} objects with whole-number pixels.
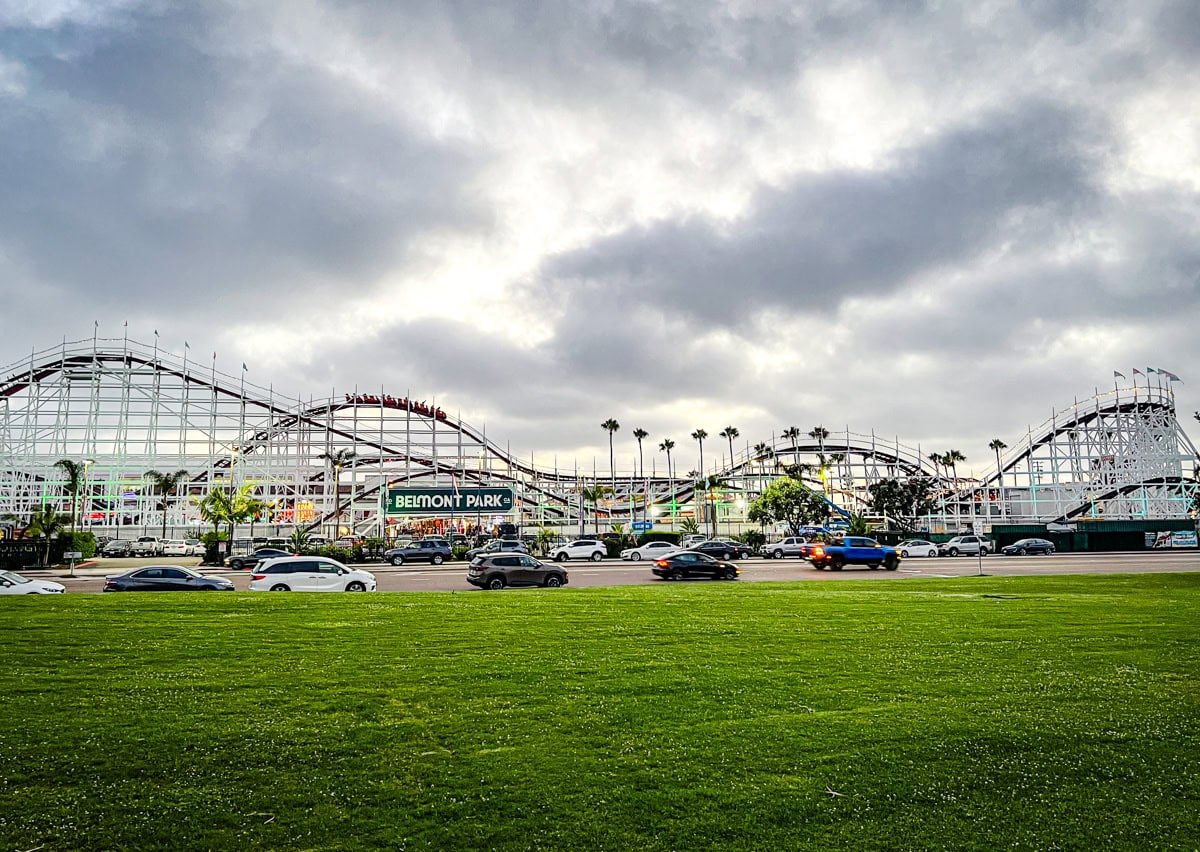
[
  {"x": 298, "y": 539},
  {"x": 594, "y": 495},
  {"x": 641, "y": 433},
  {"x": 666, "y": 446},
  {"x": 858, "y": 526},
  {"x": 729, "y": 433},
  {"x": 819, "y": 434},
  {"x": 762, "y": 452},
  {"x": 699, "y": 435},
  {"x": 611, "y": 426},
  {"x": 788, "y": 501},
  {"x": 74, "y": 472},
  {"x": 901, "y": 501},
  {"x": 338, "y": 458},
  {"x": 792, "y": 433},
  {"x": 996, "y": 446},
  {"x": 46, "y": 523},
  {"x": 165, "y": 485},
  {"x": 711, "y": 485}
]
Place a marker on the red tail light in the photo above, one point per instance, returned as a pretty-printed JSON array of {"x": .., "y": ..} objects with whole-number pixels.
[
  {"x": 662, "y": 563},
  {"x": 259, "y": 577},
  {"x": 818, "y": 551}
]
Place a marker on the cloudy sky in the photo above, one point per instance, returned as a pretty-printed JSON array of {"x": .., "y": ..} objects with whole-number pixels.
[{"x": 933, "y": 219}]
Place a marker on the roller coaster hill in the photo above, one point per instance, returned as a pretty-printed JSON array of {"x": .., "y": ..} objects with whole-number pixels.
[{"x": 372, "y": 462}]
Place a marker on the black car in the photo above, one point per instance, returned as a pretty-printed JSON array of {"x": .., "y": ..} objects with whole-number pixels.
[
  {"x": 497, "y": 570},
  {"x": 117, "y": 547},
  {"x": 165, "y": 578},
  {"x": 261, "y": 555},
  {"x": 722, "y": 549},
  {"x": 1028, "y": 545},
  {"x": 689, "y": 563},
  {"x": 435, "y": 551}
]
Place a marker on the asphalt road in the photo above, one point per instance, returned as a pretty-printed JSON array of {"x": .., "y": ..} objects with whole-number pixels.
[{"x": 452, "y": 576}]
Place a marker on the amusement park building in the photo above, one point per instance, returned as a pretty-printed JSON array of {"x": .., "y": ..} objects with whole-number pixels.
[{"x": 124, "y": 408}]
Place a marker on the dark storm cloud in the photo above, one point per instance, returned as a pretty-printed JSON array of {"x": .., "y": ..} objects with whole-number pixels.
[
  {"x": 146, "y": 159},
  {"x": 829, "y": 237}
]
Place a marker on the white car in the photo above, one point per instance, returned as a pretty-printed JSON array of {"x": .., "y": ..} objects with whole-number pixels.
[
  {"x": 916, "y": 547},
  {"x": 195, "y": 547},
  {"x": 175, "y": 547},
  {"x": 309, "y": 574},
  {"x": 650, "y": 550},
  {"x": 580, "y": 548},
  {"x": 15, "y": 584}
]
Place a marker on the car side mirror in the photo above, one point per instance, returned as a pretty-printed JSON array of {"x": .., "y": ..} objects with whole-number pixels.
[{"x": 342, "y": 571}]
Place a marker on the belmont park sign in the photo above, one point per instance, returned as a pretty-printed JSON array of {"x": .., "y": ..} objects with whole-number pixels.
[{"x": 445, "y": 501}]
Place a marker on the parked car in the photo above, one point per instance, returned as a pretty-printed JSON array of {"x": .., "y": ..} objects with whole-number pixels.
[
  {"x": 692, "y": 539},
  {"x": 237, "y": 563},
  {"x": 434, "y": 551},
  {"x": 117, "y": 547},
  {"x": 310, "y": 574},
  {"x": 651, "y": 550},
  {"x": 1028, "y": 545},
  {"x": 968, "y": 545},
  {"x": 917, "y": 547},
  {"x": 497, "y": 570},
  {"x": 175, "y": 547},
  {"x": 147, "y": 545},
  {"x": 195, "y": 547},
  {"x": 689, "y": 563},
  {"x": 12, "y": 583},
  {"x": 719, "y": 549},
  {"x": 498, "y": 545},
  {"x": 790, "y": 546},
  {"x": 165, "y": 578},
  {"x": 580, "y": 548},
  {"x": 279, "y": 543}
]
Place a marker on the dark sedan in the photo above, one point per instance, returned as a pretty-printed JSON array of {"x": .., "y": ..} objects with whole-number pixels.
[
  {"x": 718, "y": 549},
  {"x": 689, "y": 563},
  {"x": 261, "y": 555},
  {"x": 434, "y": 551},
  {"x": 165, "y": 578},
  {"x": 497, "y": 570},
  {"x": 1028, "y": 545}
]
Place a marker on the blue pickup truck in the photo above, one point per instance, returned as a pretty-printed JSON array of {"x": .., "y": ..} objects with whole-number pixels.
[{"x": 854, "y": 550}]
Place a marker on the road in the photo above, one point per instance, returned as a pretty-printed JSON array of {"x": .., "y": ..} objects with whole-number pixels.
[{"x": 451, "y": 577}]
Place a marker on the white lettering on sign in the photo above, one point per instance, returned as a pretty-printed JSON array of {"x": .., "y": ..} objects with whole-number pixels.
[{"x": 446, "y": 501}]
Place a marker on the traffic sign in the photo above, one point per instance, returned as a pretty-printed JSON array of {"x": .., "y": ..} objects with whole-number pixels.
[
  {"x": 642, "y": 525},
  {"x": 73, "y": 554}
]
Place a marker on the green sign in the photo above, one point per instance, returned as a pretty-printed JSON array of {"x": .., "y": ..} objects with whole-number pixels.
[{"x": 449, "y": 501}]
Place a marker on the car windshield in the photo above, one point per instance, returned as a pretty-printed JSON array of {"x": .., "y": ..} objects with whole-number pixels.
[{"x": 13, "y": 577}]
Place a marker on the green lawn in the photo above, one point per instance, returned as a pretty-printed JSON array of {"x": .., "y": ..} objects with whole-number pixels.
[{"x": 1017, "y": 713}]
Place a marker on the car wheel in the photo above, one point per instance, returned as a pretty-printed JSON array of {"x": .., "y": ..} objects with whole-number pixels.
[
  {"x": 235, "y": 564},
  {"x": 730, "y": 574},
  {"x": 397, "y": 560},
  {"x": 1020, "y": 551},
  {"x": 553, "y": 581},
  {"x": 891, "y": 563},
  {"x": 904, "y": 553},
  {"x": 597, "y": 556},
  {"x": 953, "y": 551},
  {"x": 438, "y": 559},
  {"x": 984, "y": 551},
  {"x": 280, "y": 587},
  {"x": 635, "y": 556},
  {"x": 562, "y": 557},
  {"x": 496, "y": 583},
  {"x": 675, "y": 574},
  {"x": 836, "y": 563},
  {"x": 777, "y": 554},
  {"x": 355, "y": 587}
]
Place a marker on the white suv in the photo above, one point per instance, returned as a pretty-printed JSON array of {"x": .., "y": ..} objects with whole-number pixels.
[
  {"x": 581, "y": 548},
  {"x": 790, "y": 546},
  {"x": 147, "y": 545},
  {"x": 309, "y": 574}
]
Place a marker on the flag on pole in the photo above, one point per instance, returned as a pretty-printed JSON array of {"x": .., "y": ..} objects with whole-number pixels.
[
  {"x": 1170, "y": 376},
  {"x": 1137, "y": 372},
  {"x": 243, "y": 365},
  {"x": 186, "y": 345},
  {"x": 1118, "y": 375},
  {"x": 1149, "y": 370}
]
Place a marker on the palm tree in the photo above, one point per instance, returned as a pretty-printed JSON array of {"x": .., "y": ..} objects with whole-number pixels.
[
  {"x": 730, "y": 432},
  {"x": 819, "y": 434},
  {"x": 996, "y": 446},
  {"x": 46, "y": 523},
  {"x": 298, "y": 539},
  {"x": 611, "y": 426},
  {"x": 837, "y": 459},
  {"x": 338, "y": 458},
  {"x": 74, "y": 472},
  {"x": 792, "y": 433},
  {"x": 711, "y": 484},
  {"x": 666, "y": 446},
  {"x": 762, "y": 452},
  {"x": 641, "y": 433},
  {"x": 950, "y": 459},
  {"x": 165, "y": 485},
  {"x": 699, "y": 435},
  {"x": 594, "y": 495}
]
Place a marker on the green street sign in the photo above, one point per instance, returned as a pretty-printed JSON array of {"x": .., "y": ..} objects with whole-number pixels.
[{"x": 449, "y": 501}]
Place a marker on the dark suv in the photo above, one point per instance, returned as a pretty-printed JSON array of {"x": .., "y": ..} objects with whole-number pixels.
[
  {"x": 497, "y": 570},
  {"x": 435, "y": 551},
  {"x": 718, "y": 549}
]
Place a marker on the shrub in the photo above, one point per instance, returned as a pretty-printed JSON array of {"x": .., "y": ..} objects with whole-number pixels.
[
  {"x": 754, "y": 538},
  {"x": 83, "y": 542},
  {"x": 459, "y": 552}
]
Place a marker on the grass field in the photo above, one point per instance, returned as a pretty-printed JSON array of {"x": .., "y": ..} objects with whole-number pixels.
[{"x": 1016, "y": 713}]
